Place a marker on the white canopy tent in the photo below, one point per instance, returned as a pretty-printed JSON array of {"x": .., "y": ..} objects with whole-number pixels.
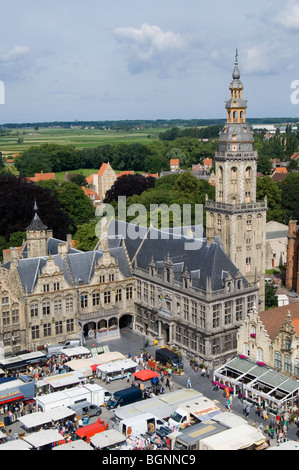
[
  {"x": 16, "y": 444},
  {"x": 74, "y": 445},
  {"x": 39, "y": 418},
  {"x": 109, "y": 357},
  {"x": 107, "y": 438},
  {"x": 78, "y": 351},
  {"x": 43, "y": 438},
  {"x": 117, "y": 366}
]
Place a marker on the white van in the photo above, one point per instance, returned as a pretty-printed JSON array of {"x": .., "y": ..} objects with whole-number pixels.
[
  {"x": 86, "y": 408},
  {"x": 53, "y": 349}
]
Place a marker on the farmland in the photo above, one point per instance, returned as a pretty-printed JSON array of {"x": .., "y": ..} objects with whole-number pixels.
[{"x": 19, "y": 140}]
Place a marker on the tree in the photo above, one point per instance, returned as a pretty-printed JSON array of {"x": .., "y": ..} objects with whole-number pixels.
[
  {"x": 85, "y": 236},
  {"x": 17, "y": 197},
  {"x": 271, "y": 299},
  {"x": 79, "y": 179},
  {"x": 76, "y": 204},
  {"x": 128, "y": 185},
  {"x": 267, "y": 187},
  {"x": 290, "y": 195}
]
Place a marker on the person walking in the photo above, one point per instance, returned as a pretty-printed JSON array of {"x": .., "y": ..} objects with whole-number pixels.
[
  {"x": 247, "y": 411},
  {"x": 189, "y": 383}
]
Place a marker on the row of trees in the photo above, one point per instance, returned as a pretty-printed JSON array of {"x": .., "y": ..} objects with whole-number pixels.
[{"x": 153, "y": 157}]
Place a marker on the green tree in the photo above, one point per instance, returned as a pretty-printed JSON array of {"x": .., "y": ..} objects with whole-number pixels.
[
  {"x": 85, "y": 236},
  {"x": 290, "y": 195},
  {"x": 267, "y": 187},
  {"x": 271, "y": 299}
]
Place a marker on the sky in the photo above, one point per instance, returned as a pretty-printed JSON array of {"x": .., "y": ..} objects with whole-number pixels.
[{"x": 101, "y": 60}]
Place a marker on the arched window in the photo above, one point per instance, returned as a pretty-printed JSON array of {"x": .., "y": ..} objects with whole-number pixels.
[
  {"x": 248, "y": 172},
  {"x": 234, "y": 172},
  {"x": 260, "y": 355},
  {"x": 246, "y": 349}
]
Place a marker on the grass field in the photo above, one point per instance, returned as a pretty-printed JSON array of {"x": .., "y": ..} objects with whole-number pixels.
[{"x": 80, "y": 138}]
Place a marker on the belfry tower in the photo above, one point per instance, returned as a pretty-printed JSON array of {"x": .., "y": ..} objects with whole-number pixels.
[{"x": 235, "y": 215}]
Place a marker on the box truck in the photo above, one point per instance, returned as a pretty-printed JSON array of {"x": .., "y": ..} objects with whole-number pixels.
[
  {"x": 192, "y": 412},
  {"x": 140, "y": 424},
  {"x": 92, "y": 393}
]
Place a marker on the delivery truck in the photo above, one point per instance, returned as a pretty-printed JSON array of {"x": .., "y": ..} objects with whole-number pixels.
[
  {"x": 190, "y": 438},
  {"x": 192, "y": 412},
  {"x": 162, "y": 405},
  {"x": 92, "y": 393},
  {"x": 140, "y": 424}
]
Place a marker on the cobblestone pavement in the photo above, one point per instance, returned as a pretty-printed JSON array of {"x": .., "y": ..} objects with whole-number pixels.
[{"x": 132, "y": 342}]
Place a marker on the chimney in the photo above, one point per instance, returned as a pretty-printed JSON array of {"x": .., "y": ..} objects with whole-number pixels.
[
  {"x": 14, "y": 257},
  {"x": 62, "y": 250},
  {"x": 69, "y": 241}
]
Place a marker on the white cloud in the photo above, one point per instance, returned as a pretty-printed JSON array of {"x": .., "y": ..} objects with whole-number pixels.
[
  {"x": 151, "y": 48},
  {"x": 289, "y": 17}
]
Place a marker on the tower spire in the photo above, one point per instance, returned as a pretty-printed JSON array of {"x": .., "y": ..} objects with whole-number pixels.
[{"x": 236, "y": 71}]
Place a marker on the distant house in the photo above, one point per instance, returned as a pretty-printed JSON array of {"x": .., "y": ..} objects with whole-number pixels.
[
  {"x": 174, "y": 164},
  {"x": 295, "y": 156},
  {"x": 197, "y": 167},
  {"x": 122, "y": 173},
  {"x": 276, "y": 244},
  {"x": 93, "y": 196},
  {"x": 207, "y": 164},
  {"x": 279, "y": 173},
  {"x": 103, "y": 180}
]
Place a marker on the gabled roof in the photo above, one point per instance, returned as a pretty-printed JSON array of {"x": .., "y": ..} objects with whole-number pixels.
[
  {"x": 102, "y": 169},
  {"x": 205, "y": 264},
  {"x": 273, "y": 319}
]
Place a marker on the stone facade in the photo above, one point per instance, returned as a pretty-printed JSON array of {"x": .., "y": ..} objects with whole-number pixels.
[
  {"x": 194, "y": 300},
  {"x": 272, "y": 337},
  {"x": 103, "y": 180},
  {"x": 65, "y": 293}
]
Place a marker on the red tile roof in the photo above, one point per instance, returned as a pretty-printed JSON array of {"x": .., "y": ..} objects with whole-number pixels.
[
  {"x": 273, "y": 319},
  {"x": 102, "y": 169}
]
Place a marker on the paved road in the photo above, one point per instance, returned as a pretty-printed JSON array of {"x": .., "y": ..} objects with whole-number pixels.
[{"x": 132, "y": 342}]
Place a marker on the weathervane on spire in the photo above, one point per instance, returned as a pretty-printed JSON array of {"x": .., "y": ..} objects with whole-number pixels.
[{"x": 236, "y": 59}]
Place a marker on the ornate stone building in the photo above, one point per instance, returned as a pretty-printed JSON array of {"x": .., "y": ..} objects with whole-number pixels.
[
  {"x": 51, "y": 292},
  {"x": 235, "y": 215},
  {"x": 272, "y": 337}
]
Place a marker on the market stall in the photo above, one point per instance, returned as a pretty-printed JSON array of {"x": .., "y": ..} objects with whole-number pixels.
[
  {"x": 108, "y": 440},
  {"x": 44, "y": 439},
  {"x": 116, "y": 369},
  {"x": 40, "y": 418},
  {"x": 147, "y": 379},
  {"x": 16, "y": 444},
  {"x": 74, "y": 445},
  {"x": 53, "y": 383},
  {"x": 75, "y": 352}
]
